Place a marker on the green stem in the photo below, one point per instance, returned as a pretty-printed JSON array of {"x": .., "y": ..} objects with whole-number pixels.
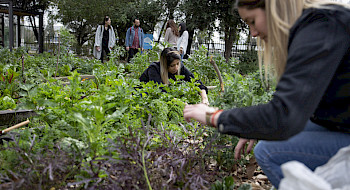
[{"x": 144, "y": 168}]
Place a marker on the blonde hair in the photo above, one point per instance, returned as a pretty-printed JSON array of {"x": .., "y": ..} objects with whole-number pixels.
[
  {"x": 167, "y": 56},
  {"x": 281, "y": 15}
]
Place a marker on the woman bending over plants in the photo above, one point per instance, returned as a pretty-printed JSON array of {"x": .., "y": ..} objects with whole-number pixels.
[
  {"x": 167, "y": 68},
  {"x": 307, "y": 43}
]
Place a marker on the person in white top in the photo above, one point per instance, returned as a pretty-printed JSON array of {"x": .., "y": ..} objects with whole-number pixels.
[
  {"x": 104, "y": 39},
  {"x": 172, "y": 33},
  {"x": 182, "y": 42}
]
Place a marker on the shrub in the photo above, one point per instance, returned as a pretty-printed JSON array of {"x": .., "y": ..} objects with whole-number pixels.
[{"x": 248, "y": 62}]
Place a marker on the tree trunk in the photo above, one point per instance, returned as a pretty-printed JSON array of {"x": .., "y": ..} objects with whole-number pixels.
[
  {"x": 161, "y": 30},
  {"x": 171, "y": 13},
  {"x": 190, "y": 40},
  {"x": 81, "y": 36},
  {"x": 78, "y": 49},
  {"x": 230, "y": 37},
  {"x": 35, "y": 29}
]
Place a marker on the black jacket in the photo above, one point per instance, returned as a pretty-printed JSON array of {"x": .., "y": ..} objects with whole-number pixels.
[
  {"x": 152, "y": 73},
  {"x": 315, "y": 84}
]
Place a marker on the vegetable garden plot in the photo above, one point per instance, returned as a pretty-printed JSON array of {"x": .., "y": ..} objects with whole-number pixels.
[
  {"x": 113, "y": 131},
  {"x": 8, "y": 117}
]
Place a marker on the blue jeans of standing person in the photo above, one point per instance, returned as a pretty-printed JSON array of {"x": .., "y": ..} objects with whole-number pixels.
[{"x": 314, "y": 146}]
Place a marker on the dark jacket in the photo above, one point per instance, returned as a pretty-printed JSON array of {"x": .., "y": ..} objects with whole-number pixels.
[
  {"x": 315, "y": 84},
  {"x": 152, "y": 73}
]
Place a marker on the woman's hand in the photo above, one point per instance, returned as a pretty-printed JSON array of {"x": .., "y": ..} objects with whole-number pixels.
[
  {"x": 98, "y": 48},
  {"x": 205, "y": 101},
  {"x": 240, "y": 147},
  {"x": 196, "y": 112},
  {"x": 204, "y": 97},
  {"x": 181, "y": 50}
]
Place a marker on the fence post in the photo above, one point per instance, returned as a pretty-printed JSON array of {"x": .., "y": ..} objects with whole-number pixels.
[
  {"x": 58, "y": 55},
  {"x": 208, "y": 49},
  {"x": 11, "y": 25},
  {"x": 41, "y": 33}
]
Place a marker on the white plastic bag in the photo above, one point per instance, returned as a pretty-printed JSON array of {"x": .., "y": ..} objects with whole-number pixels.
[{"x": 335, "y": 175}]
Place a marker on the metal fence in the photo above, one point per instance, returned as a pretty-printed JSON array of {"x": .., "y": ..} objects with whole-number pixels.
[
  {"x": 28, "y": 39},
  {"x": 30, "y": 42},
  {"x": 51, "y": 45},
  {"x": 218, "y": 48}
]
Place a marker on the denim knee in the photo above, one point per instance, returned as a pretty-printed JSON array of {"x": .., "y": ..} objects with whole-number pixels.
[
  {"x": 260, "y": 151},
  {"x": 265, "y": 158}
]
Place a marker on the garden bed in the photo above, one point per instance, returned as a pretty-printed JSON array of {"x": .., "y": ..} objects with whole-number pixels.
[
  {"x": 105, "y": 133},
  {"x": 83, "y": 78},
  {"x": 8, "y": 117},
  {"x": 86, "y": 77}
]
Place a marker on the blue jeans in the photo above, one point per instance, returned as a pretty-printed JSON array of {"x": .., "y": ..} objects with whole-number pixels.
[{"x": 314, "y": 146}]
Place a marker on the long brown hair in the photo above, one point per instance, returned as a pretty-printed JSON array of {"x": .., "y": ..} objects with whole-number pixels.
[
  {"x": 171, "y": 24},
  {"x": 167, "y": 56}
]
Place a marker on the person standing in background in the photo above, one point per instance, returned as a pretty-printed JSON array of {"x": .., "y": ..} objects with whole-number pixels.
[
  {"x": 104, "y": 39},
  {"x": 134, "y": 39},
  {"x": 182, "y": 42},
  {"x": 171, "y": 34}
]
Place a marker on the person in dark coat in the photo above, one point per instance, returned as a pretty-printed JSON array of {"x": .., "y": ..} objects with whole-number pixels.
[
  {"x": 308, "y": 119},
  {"x": 167, "y": 68}
]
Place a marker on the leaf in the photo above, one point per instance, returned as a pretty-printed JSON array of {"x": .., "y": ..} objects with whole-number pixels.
[
  {"x": 116, "y": 115},
  {"x": 251, "y": 167},
  {"x": 229, "y": 182},
  {"x": 27, "y": 87},
  {"x": 84, "y": 121},
  {"x": 245, "y": 186}
]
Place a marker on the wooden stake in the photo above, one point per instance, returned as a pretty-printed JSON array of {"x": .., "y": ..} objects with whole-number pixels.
[
  {"x": 218, "y": 73},
  {"x": 58, "y": 55},
  {"x": 14, "y": 127}
]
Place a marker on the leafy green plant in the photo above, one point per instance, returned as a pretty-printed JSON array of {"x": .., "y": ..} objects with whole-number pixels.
[
  {"x": 248, "y": 62},
  {"x": 78, "y": 118},
  {"x": 134, "y": 161},
  {"x": 199, "y": 63},
  {"x": 64, "y": 71},
  {"x": 66, "y": 40},
  {"x": 7, "y": 103},
  {"x": 33, "y": 166},
  {"x": 8, "y": 57},
  {"x": 242, "y": 91},
  {"x": 116, "y": 53},
  {"x": 140, "y": 62},
  {"x": 227, "y": 183},
  {"x": 8, "y": 83},
  {"x": 245, "y": 187}
]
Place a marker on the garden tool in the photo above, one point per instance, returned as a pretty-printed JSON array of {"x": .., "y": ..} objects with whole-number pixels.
[
  {"x": 9, "y": 129},
  {"x": 14, "y": 127}
]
